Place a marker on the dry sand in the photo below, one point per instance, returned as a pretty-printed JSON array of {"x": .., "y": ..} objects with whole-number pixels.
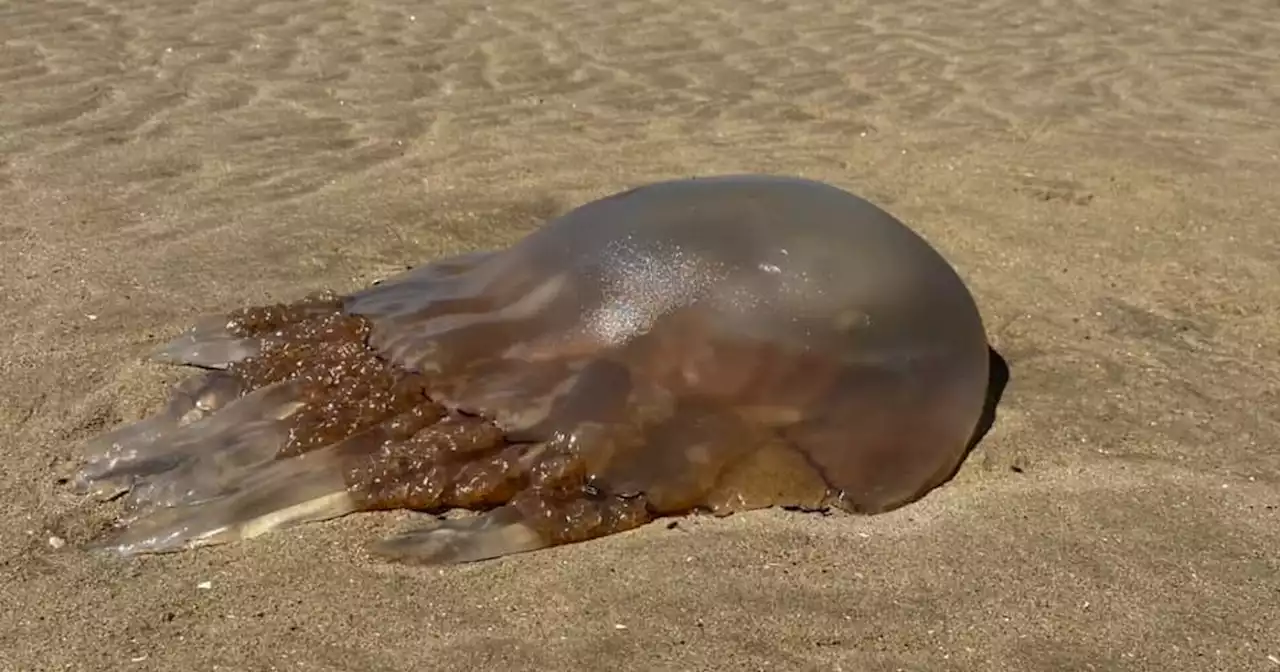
[{"x": 1105, "y": 177}]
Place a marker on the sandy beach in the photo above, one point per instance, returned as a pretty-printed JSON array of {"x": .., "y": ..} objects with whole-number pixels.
[{"x": 1102, "y": 175}]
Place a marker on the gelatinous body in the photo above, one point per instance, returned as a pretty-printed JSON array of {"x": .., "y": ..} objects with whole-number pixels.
[{"x": 717, "y": 345}]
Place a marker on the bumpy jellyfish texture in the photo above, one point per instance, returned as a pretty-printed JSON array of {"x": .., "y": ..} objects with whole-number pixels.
[{"x": 709, "y": 345}]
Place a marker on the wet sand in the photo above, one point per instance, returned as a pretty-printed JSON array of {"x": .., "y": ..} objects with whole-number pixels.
[{"x": 1104, "y": 177}]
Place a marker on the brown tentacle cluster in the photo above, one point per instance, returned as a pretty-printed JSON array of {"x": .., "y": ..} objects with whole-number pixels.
[
  {"x": 403, "y": 450},
  {"x": 345, "y": 387},
  {"x": 564, "y": 514},
  {"x": 459, "y": 461}
]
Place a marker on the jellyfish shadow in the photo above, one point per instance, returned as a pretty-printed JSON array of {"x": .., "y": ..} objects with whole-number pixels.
[{"x": 998, "y": 376}]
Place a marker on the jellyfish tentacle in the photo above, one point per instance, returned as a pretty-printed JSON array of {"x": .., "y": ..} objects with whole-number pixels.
[
  {"x": 264, "y": 442},
  {"x": 113, "y": 460},
  {"x": 556, "y": 506},
  {"x": 314, "y": 383},
  {"x": 602, "y": 479},
  {"x": 280, "y": 494},
  {"x": 220, "y": 341},
  {"x": 419, "y": 470},
  {"x": 535, "y": 520},
  {"x": 277, "y": 493},
  {"x": 211, "y": 344},
  {"x": 190, "y": 461},
  {"x": 496, "y": 533}
]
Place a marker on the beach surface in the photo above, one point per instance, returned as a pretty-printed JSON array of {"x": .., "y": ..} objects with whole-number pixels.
[{"x": 1104, "y": 175}]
